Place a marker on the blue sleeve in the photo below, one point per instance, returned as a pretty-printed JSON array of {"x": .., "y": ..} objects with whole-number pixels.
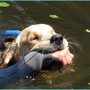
[
  {"x": 30, "y": 65},
  {"x": 15, "y": 72}
]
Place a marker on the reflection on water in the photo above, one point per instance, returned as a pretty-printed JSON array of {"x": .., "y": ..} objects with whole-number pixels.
[
  {"x": 75, "y": 20},
  {"x": 14, "y": 17}
]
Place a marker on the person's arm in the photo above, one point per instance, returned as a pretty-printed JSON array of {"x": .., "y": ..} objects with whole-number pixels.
[
  {"x": 57, "y": 60},
  {"x": 31, "y": 64},
  {"x": 35, "y": 61}
]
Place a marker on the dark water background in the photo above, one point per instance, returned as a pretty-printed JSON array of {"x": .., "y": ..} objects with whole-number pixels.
[{"x": 74, "y": 20}]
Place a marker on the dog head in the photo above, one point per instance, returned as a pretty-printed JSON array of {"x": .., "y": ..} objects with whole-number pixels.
[{"x": 40, "y": 37}]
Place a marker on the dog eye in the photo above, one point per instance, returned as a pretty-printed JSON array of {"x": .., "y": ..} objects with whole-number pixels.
[{"x": 36, "y": 38}]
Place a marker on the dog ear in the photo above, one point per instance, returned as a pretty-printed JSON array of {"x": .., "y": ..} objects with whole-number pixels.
[{"x": 8, "y": 54}]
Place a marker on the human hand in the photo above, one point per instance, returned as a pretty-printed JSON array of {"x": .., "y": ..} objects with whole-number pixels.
[{"x": 63, "y": 56}]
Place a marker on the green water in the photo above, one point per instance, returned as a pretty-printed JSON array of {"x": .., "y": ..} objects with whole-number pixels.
[{"x": 74, "y": 20}]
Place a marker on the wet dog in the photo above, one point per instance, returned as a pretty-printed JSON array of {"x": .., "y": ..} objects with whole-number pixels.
[{"x": 35, "y": 37}]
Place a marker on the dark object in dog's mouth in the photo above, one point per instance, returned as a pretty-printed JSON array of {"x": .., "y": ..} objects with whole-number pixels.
[{"x": 54, "y": 65}]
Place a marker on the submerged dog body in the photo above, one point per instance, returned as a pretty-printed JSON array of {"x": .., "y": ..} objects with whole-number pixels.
[{"x": 35, "y": 37}]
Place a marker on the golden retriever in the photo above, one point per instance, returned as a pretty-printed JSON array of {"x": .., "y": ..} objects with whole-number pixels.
[{"x": 35, "y": 37}]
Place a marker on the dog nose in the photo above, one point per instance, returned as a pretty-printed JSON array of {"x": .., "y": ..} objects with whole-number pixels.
[{"x": 57, "y": 39}]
